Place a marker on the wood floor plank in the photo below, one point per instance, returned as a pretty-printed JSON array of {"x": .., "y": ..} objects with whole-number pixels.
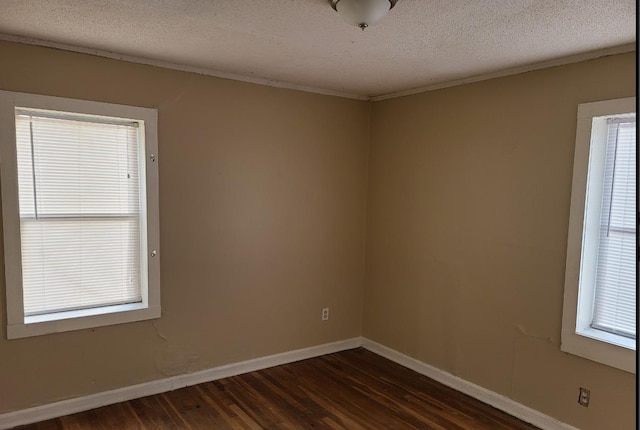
[
  {"x": 353, "y": 390},
  {"x": 151, "y": 413},
  {"x": 229, "y": 420}
]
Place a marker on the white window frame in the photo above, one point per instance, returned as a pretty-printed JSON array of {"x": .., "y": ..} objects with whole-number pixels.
[
  {"x": 577, "y": 336},
  {"x": 18, "y": 325}
]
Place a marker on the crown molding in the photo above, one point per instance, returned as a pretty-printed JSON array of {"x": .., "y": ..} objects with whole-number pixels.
[
  {"x": 591, "y": 55},
  {"x": 180, "y": 67}
]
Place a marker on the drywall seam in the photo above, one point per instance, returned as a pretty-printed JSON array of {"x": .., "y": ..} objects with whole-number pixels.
[{"x": 366, "y": 217}]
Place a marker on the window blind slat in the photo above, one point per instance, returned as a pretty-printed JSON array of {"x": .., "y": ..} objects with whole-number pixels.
[
  {"x": 79, "y": 212},
  {"x": 615, "y": 291}
]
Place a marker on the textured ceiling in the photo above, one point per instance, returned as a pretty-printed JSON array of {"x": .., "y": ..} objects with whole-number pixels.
[{"x": 420, "y": 43}]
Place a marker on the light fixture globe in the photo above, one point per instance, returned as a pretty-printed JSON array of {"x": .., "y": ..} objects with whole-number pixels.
[{"x": 362, "y": 13}]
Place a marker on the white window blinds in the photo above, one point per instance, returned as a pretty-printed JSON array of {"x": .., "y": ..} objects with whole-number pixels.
[
  {"x": 79, "y": 201},
  {"x": 615, "y": 294}
]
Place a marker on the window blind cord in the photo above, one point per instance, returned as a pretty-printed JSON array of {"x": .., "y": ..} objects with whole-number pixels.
[
  {"x": 613, "y": 178},
  {"x": 33, "y": 168}
]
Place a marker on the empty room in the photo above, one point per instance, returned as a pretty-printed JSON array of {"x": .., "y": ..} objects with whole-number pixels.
[{"x": 318, "y": 214}]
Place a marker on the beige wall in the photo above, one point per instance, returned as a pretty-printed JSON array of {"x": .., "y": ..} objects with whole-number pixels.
[
  {"x": 262, "y": 210},
  {"x": 468, "y": 208},
  {"x": 263, "y": 200}
]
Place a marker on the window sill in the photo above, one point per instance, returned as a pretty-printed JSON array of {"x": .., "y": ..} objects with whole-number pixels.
[
  {"x": 606, "y": 348},
  {"x": 81, "y": 319},
  {"x": 613, "y": 339}
]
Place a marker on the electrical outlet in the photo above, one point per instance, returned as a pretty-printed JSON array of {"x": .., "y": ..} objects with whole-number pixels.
[
  {"x": 325, "y": 314},
  {"x": 584, "y": 397}
]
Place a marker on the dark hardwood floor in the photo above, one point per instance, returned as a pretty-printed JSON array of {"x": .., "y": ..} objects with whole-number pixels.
[{"x": 353, "y": 390}]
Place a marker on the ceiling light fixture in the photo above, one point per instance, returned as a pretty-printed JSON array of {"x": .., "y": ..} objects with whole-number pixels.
[{"x": 362, "y": 13}]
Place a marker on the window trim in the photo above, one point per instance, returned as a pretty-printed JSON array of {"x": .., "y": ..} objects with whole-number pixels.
[
  {"x": 17, "y": 325},
  {"x": 577, "y": 337}
]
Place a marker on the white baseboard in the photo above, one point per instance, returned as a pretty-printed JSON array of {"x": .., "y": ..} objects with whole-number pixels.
[
  {"x": 79, "y": 404},
  {"x": 489, "y": 397}
]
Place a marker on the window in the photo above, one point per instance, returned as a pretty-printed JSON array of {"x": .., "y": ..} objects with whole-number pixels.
[
  {"x": 80, "y": 212},
  {"x": 599, "y": 315}
]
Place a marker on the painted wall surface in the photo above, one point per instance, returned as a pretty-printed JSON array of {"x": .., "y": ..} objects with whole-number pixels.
[
  {"x": 263, "y": 201},
  {"x": 262, "y": 219},
  {"x": 468, "y": 210}
]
